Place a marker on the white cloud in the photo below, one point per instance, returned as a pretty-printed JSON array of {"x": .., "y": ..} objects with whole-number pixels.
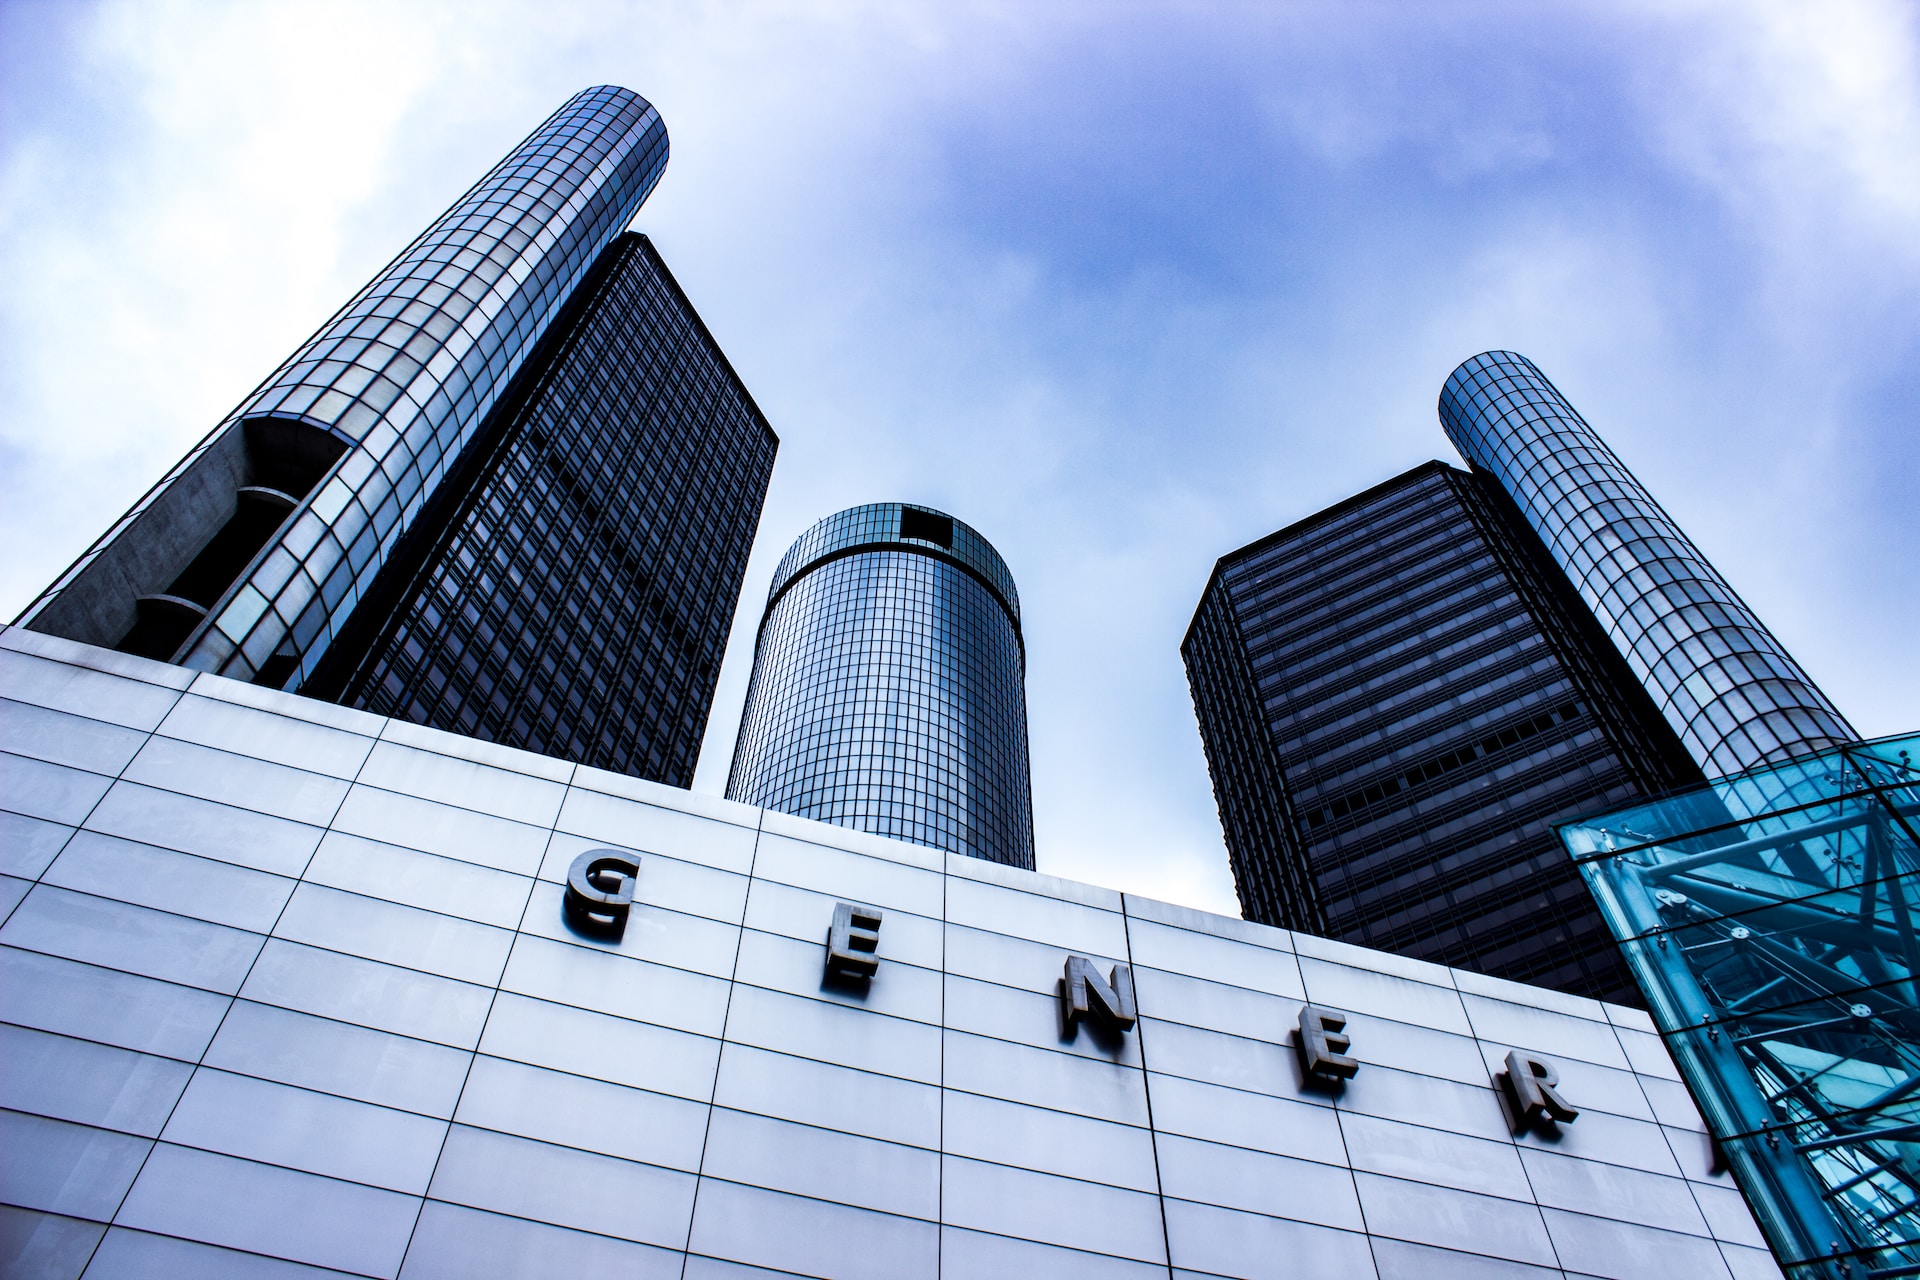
[{"x": 1804, "y": 119}]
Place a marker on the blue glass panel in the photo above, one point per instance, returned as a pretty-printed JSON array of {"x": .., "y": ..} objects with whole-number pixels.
[
  {"x": 888, "y": 687},
  {"x": 1769, "y": 918}
]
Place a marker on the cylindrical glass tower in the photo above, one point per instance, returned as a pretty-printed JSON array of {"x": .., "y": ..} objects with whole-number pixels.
[
  {"x": 249, "y": 555},
  {"x": 888, "y": 689},
  {"x": 1735, "y": 696}
]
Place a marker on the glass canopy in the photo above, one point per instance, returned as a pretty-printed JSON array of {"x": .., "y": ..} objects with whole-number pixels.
[{"x": 1769, "y": 918}]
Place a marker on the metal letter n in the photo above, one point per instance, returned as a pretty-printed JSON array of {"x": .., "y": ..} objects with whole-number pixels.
[
  {"x": 1083, "y": 994},
  {"x": 1323, "y": 1046},
  {"x": 853, "y": 943},
  {"x": 1532, "y": 1085},
  {"x": 599, "y": 892}
]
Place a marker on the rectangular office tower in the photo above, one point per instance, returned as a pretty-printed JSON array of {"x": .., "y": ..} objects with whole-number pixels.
[
  {"x": 1397, "y": 697},
  {"x": 508, "y": 490},
  {"x": 571, "y": 591},
  {"x": 297, "y": 992}
]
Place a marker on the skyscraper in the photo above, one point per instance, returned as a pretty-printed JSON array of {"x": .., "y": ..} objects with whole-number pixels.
[
  {"x": 888, "y": 686},
  {"x": 1735, "y": 696},
  {"x": 573, "y": 594},
  {"x": 249, "y": 555},
  {"x": 508, "y": 490},
  {"x": 1397, "y": 695}
]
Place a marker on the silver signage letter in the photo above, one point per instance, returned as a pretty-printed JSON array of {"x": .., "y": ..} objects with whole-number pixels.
[
  {"x": 1532, "y": 1085},
  {"x": 853, "y": 943},
  {"x": 599, "y": 892},
  {"x": 1323, "y": 1047},
  {"x": 1083, "y": 994}
]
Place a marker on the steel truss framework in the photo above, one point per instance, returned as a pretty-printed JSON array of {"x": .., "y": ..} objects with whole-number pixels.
[{"x": 1769, "y": 917}]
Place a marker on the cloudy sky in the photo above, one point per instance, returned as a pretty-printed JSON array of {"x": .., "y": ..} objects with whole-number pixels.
[{"x": 1124, "y": 286}]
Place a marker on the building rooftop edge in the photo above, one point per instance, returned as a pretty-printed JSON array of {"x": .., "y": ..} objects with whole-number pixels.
[
  {"x": 456, "y": 746},
  {"x": 872, "y": 526},
  {"x": 1302, "y": 525},
  {"x": 706, "y": 334}
]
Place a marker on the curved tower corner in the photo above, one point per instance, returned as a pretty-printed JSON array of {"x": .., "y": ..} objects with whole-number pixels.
[
  {"x": 888, "y": 690},
  {"x": 247, "y": 558},
  {"x": 1730, "y": 690}
]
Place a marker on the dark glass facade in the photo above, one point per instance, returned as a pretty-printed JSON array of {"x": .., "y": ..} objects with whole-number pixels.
[
  {"x": 888, "y": 689},
  {"x": 252, "y": 553},
  {"x": 572, "y": 592},
  {"x": 1731, "y": 691},
  {"x": 1397, "y": 697}
]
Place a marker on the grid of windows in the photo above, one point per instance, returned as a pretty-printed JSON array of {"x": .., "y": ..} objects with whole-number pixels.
[
  {"x": 1733, "y": 694},
  {"x": 887, "y": 690},
  {"x": 409, "y": 369},
  {"x": 574, "y": 595},
  {"x": 1396, "y": 699}
]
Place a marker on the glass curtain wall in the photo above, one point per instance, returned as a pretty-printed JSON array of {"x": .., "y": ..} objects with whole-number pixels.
[
  {"x": 573, "y": 595},
  {"x": 1769, "y": 918},
  {"x": 1731, "y": 691},
  {"x": 399, "y": 382},
  {"x": 888, "y": 691},
  {"x": 1398, "y": 697}
]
